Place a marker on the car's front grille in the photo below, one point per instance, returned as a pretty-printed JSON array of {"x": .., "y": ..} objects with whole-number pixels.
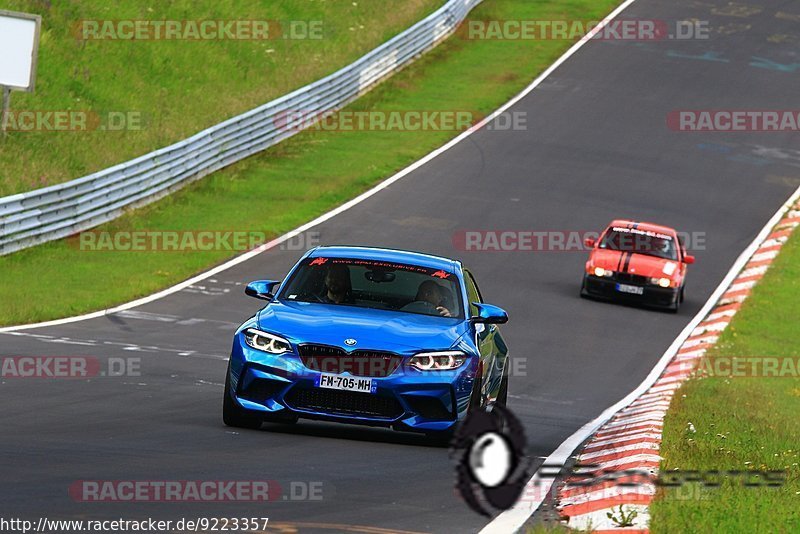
[
  {"x": 335, "y": 402},
  {"x": 328, "y": 359},
  {"x": 628, "y": 278}
]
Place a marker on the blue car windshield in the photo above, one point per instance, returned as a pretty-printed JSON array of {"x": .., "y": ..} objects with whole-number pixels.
[{"x": 376, "y": 284}]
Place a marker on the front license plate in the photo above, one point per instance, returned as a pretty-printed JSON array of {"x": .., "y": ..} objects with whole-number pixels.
[
  {"x": 633, "y": 290},
  {"x": 347, "y": 383}
]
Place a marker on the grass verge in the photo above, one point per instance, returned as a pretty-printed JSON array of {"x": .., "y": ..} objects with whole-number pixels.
[
  {"x": 549, "y": 528},
  {"x": 306, "y": 176},
  {"x": 170, "y": 89},
  {"x": 741, "y": 423}
]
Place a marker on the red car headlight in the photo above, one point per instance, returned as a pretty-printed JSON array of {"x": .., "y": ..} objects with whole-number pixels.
[
  {"x": 599, "y": 271},
  {"x": 661, "y": 282}
]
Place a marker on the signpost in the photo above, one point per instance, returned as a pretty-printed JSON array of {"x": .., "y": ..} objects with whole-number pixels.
[{"x": 19, "y": 47}]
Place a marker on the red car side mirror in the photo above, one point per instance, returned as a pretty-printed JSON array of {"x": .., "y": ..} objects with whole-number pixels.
[
  {"x": 589, "y": 242},
  {"x": 688, "y": 259}
]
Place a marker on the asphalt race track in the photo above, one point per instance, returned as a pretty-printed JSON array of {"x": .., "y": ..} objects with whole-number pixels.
[{"x": 596, "y": 147}]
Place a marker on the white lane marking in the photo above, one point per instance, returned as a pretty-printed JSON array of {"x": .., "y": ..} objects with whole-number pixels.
[
  {"x": 516, "y": 516},
  {"x": 174, "y": 319},
  {"x": 69, "y": 341},
  {"x": 207, "y": 290},
  {"x": 207, "y": 383},
  {"x": 147, "y": 316},
  {"x": 43, "y": 336},
  {"x": 131, "y": 347},
  {"x": 54, "y": 339}
]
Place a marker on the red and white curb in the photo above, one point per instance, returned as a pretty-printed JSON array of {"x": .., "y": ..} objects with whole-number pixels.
[{"x": 630, "y": 441}]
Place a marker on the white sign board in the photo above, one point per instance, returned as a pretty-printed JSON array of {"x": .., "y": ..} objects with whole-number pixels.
[{"x": 19, "y": 42}]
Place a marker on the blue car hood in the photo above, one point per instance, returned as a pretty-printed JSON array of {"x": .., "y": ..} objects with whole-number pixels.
[{"x": 329, "y": 324}]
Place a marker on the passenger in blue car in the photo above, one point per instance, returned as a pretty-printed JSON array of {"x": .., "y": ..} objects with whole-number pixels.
[{"x": 338, "y": 288}]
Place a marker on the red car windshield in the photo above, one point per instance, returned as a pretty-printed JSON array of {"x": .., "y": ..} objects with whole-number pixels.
[{"x": 640, "y": 242}]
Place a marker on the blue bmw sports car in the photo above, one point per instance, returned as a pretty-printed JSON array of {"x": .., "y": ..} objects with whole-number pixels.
[{"x": 370, "y": 336}]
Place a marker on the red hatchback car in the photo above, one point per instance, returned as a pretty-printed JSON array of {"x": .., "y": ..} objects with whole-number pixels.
[{"x": 639, "y": 262}]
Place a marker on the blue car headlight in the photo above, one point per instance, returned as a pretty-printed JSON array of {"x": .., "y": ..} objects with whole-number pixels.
[
  {"x": 445, "y": 360},
  {"x": 265, "y": 342}
]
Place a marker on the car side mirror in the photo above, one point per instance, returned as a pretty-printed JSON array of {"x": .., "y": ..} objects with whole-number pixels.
[
  {"x": 261, "y": 289},
  {"x": 488, "y": 314},
  {"x": 589, "y": 242},
  {"x": 687, "y": 259}
]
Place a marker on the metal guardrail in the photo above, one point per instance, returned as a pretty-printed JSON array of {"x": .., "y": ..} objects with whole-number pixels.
[{"x": 58, "y": 211}]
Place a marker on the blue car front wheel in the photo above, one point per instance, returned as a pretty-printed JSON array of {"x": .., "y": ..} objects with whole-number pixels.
[
  {"x": 233, "y": 414},
  {"x": 502, "y": 396}
]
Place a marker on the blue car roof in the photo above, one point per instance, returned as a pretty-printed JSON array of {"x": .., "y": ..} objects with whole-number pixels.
[{"x": 387, "y": 254}]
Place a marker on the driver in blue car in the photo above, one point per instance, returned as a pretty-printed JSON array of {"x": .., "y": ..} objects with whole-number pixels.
[{"x": 432, "y": 293}]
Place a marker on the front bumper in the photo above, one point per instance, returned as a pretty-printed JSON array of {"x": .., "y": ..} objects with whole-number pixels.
[
  {"x": 652, "y": 295},
  {"x": 280, "y": 387}
]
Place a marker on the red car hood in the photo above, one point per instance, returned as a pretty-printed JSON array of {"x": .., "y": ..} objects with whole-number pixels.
[{"x": 640, "y": 264}]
